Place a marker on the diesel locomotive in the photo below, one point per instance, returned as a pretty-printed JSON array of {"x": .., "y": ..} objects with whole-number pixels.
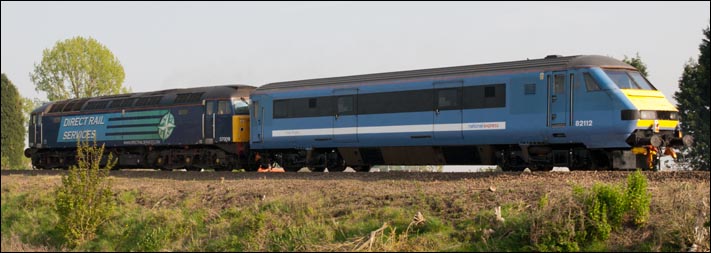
[{"x": 581, "y": 112}]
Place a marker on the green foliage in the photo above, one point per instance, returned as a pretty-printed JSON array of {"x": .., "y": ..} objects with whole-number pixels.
[
  {"x": 587, "y": 220},
  {"x": 13, "y": 132},
  {"x": 85, "y": 200},
  {"x": 637, "y": 198},
  {"x": 605, "y": 209},
  {"x": 30, "y": 217},
  {"x": 78, "y": 68},
  {"x": 693, "y": 103},
  {"x": 637, "y": 63}
]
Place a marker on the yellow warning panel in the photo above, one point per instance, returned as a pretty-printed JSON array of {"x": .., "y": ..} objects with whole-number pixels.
[{"x": 240, "y": 128}]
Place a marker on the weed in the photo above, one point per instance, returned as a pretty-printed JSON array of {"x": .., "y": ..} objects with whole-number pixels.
[
  {"x": 84, "y": 200},
  {"x": 637, "y": 197}
]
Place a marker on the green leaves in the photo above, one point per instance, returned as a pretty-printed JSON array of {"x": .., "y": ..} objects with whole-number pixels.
[
  {"x": 693, "y": 104},
  {"x": 85, "y": 200},
  {"x": 77, "y": 68},
  {"x": 637, "y": 63},
  {"x": 13, "y": 132}
]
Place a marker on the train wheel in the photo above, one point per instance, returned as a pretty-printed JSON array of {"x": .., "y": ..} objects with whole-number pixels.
[
  {"x": 337, "y": 169},
  {"x": 292, "y": 169},
  {"x": 364, "y": 168},
  {"x": 317, "y": 169}
]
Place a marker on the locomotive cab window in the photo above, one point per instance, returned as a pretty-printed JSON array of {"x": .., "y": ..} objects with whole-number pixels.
[
  {"x": 224, "y": 107},
  {"x": 210, "y": 107},
  {"x": 559, "y": 87},
  {"x": 590, "y": 83},
  {"x": 625, "y": 79},
  {"x": 241, "y": 106}
]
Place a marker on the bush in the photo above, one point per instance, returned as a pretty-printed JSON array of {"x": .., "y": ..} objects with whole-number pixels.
[
  {"x": 605, "y": 209},
  {"x": 637, "y": 198},
  {"x": 85, "y": 200}
]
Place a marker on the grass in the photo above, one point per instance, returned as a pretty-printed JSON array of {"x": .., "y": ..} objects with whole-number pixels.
[{"x": 312, "y": 221}]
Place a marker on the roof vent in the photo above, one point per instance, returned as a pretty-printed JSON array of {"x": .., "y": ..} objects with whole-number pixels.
[{"x": 552, "y": 56}]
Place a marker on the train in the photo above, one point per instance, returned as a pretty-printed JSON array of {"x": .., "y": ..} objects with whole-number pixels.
[{"x": 584, "y": 112}]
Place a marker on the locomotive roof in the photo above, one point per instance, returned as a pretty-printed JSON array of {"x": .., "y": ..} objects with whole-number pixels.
[
  {"x": 551, "y": 62},
  {"x": 151, "y": 98}
]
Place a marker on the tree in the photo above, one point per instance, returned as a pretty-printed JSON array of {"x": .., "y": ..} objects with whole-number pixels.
[
  {"x": 13, "y": 132},
  {"x": 77, "y": 68},
  {"x": 693, "y": 105},
  {"x": 637, "y": 63},
  {"x": 29, "y": 105}
]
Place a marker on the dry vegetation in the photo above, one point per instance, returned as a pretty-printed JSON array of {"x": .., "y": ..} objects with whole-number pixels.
[{"x": 360, "y": 211}]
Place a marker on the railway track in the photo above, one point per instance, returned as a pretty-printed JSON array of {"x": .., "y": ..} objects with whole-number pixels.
[{"x": 376, "y": 176}]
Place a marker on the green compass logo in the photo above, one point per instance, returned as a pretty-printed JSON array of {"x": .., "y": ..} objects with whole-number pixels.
[{"x": 166, "y": 125}]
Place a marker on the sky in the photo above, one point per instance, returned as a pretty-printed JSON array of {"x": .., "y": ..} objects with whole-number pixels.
[{"x": 166, "y": 45}]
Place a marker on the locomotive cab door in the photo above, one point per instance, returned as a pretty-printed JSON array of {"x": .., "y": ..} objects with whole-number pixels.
[
  {"x": 208, "y": 122},
  {"x": 222, "y": 124},
  {"x": 345, "y": 122},
  {"x": 33, "y": 133},
  {"x": 558, "y": 99}
]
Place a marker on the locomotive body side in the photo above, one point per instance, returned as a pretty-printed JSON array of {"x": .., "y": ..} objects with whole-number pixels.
[
  {"x": 565, "y": 111},
  {"x": 183, "y": 128}
]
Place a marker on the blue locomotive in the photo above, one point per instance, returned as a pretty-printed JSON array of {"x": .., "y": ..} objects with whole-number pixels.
[
  {"x": 180, "y": 128},
  {"x": 581, "y": 112}
]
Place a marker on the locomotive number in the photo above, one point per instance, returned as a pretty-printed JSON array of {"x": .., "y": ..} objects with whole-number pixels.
[
  {"x": 583, "y": 123},
  {"x": 224, "y": 139}
]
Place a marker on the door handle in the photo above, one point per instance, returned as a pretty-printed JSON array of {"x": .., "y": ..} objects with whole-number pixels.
[{"x": 554, "y": 98}]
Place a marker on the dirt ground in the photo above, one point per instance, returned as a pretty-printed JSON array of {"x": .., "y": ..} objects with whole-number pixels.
[{"x": 482, "y": 190}]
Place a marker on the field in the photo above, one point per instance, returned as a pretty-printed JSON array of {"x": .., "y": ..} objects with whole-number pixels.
[{"x": 394, "y": 211}]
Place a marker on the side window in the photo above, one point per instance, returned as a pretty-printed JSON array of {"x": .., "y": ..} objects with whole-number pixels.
[
  {"x": 345, "y": 105},
  {"x": 210, "y": 107},
  {"x": 484, "y": 96},
  {"x": 559, "y": 84},
  {"x": 489, "y": 92},
  {"x": 448, "y": 99},
  {"x": 590, "y": 83},
  {"x": 281, "y": 109},
  {"x": 224, "y": 107}
]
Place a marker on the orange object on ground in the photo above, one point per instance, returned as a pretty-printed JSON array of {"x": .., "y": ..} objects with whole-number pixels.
[{"x": 269, "y": 169}]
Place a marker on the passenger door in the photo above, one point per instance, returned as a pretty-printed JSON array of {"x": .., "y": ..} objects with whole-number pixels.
[
  {"x": 558, "y": 99},
  {"x": 345, "y": 122},
  {"x": 208, "y": 122},
  {"x": 448, "y": 110}
]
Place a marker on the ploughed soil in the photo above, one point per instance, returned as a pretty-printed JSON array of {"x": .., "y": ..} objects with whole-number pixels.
[{"x": 349, "y": 192}]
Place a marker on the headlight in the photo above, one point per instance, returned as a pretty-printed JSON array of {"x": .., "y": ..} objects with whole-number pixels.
[
  {"x": 647, "y": 114},
  {"x": 674, "y": 116}
]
